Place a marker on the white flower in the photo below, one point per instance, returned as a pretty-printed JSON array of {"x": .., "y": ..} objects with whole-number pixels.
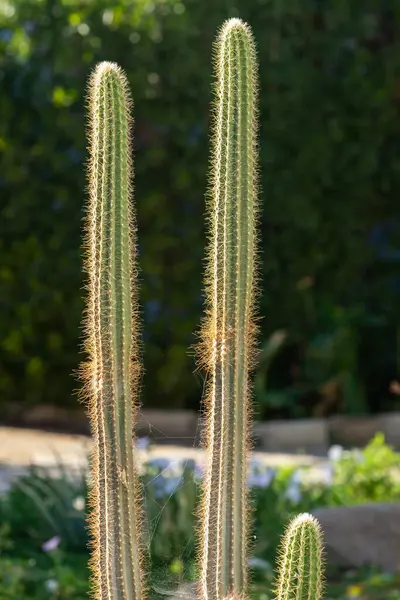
[
  {"x": 79, "y": 503},
  {"x": 358, "y": 455},
  {"x": 327, "y": 474},
  {"x": 51, "y": 585},
  {"x": 335, "y": 453}
]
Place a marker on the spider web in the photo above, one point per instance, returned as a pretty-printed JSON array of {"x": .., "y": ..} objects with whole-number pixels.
[{"x": 164, "y": 582}]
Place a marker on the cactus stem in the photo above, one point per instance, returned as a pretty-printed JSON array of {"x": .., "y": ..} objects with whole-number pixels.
[
  {"x": 227, "y": 341},
  {"x": 301, "y": 561},
  {"x": 111, "y": 376}
]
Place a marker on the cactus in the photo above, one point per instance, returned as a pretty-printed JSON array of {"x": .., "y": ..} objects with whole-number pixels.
[
  {"x": 112, "y": 373},
  {"x": 301, "y": 561},
  {"x": 226, "y": 347}
]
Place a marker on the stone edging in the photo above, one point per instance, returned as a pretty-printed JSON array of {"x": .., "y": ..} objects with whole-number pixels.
[
  {"x": 312, "y": 436},
  {"x": 315, "y": 436}
]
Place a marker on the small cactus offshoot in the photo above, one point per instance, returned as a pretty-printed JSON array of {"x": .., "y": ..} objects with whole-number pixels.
[{"x": 301, "y": 561}]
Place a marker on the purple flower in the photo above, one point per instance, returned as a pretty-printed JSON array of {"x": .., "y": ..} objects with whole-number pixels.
[
  {"x": 327, "y": 473},
  {"x": 168, "y": 486},
  {"x": 142, "y": 443},
  {"x": 169, "y": 477},
  {"x": 51, "y": 544},
  {"x": 293, "y": 491},
  {"x": 159, "y": 463},
  {"x": 199, "y": 469},
  {"x": 260, "y": 475}
]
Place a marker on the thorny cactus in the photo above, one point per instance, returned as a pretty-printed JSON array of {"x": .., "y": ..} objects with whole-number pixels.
[
  {"x": 112, "y": 374},
  {"x": 301, "y": 561},
  {"x": 226, "y": 349}
]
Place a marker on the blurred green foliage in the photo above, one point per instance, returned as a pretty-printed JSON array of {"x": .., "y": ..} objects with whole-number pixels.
[
  {"x": 330, "y": 126},
  {"x": 368, "y": 476},
  {"x": 44, "y": 542}
]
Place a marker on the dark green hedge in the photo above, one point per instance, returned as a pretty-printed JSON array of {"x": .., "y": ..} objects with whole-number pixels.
[{"x": 330, "y": 93}]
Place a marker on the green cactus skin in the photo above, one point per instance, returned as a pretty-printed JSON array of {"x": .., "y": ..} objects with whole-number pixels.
[
  {"x": 112, "y": 373},
  {"x": 227, "y": 343},
  {"x": 301, "y": 561}
]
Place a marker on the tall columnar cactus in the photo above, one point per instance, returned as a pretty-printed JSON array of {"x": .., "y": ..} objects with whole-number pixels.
[
  {"x": 301, "y": 561},
  {"x": 226, "y": 348},
  {"x": 112, "y": 374}
]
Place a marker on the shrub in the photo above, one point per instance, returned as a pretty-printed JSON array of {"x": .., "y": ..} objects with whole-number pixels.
[
  {"x": 329, "y": 130},
  {"x": 31, "y": 510}
]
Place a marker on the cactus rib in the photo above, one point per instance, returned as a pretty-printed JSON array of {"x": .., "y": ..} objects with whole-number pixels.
[
  {"x": 226, "y": 348},
  {"x": 112, "y": 373}
]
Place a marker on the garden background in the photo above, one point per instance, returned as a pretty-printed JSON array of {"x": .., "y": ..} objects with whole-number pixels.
[{"x": 330, "y": 176}]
